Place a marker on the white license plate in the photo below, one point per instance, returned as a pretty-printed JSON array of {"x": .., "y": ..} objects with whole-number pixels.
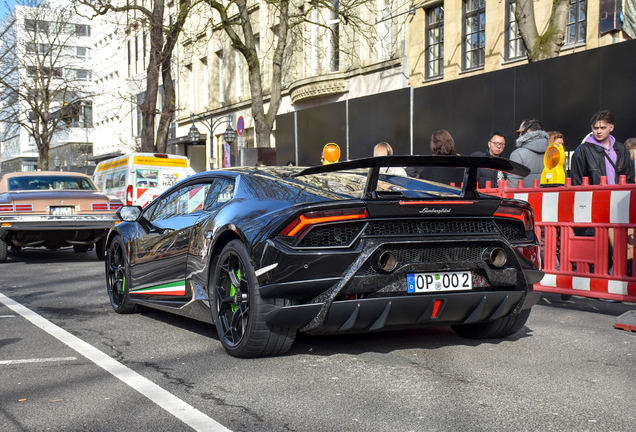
[
  {"x": 62, "y": 211},
  {"x": 441, "y": 281}
]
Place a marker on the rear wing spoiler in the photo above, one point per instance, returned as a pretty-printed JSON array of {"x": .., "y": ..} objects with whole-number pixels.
[{"x": 471, "y": 164}]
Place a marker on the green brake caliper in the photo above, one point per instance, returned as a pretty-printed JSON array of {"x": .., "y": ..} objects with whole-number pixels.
[{"x": 233, "y": 291}]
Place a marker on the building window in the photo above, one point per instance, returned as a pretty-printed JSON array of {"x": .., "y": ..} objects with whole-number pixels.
[
  {"x": 144, "y": 48},
  {"x": 221, "y": 77},
  {"x": 239, "y": 74},
  {"x": 83, "y": 75},
  {"x": 140, "y": 101},
  {"x": 435, "y": 42},
  {"x": 315, "y": 43},
  {"x": 384, "y": 29},
  {"x": 334, "y": 45},
  {"x": 514, "y": 44},
  {"x": 82, "y": 30},
  {"x": 577, "y": 18},
  {"x": 33, "y": 24},
  {"x": 474, "y": 33},
  {"x": 129, "y": 58},
  {"x": 82, "y": 52},
  {"x": 136, "y": 52},
  {"x": 206, "y": 83}
]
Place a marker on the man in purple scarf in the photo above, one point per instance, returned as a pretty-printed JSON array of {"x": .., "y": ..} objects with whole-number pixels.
[{"x": 601, "y": 155}]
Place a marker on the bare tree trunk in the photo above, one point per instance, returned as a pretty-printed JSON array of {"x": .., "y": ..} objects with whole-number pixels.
[
  {"x": 547, "y": 45},
  {"x": 149, "y": 106},
  {"x": 169, "y": 98},
  {"x": 263, "y": 121}
]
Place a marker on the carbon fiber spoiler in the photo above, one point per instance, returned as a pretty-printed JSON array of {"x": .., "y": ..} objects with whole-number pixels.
[{"x": 470, "y": 163}]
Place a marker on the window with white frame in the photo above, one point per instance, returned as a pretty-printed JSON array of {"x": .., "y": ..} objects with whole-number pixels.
[
  {"x": 83, "y": 75},
  {"x": 219, "y": 54},
  {"x": 474, "y": 46},
  {"x": 239, "y": 74},
  {"x": 83, "y": 52},
  {"x": 315, "y": 44},
  {"x": 190, "y": 72},
  {"x": 82, "y": 30},
  {"x": 577, "y": 22},
  {"x": 206, "y": 82},
  {"x": 435, "y": 42},
  {"x": 334, "y": 41},
  {"x": 384, "y": 29},
  {"x": 515, "y": 48}
]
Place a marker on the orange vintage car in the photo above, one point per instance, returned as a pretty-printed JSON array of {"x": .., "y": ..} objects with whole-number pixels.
[{"x": 54, "y": 209}]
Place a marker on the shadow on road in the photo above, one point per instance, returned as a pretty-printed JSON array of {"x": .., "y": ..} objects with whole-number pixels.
[
  {"x": 37, "y": 256},
  {"x": 585, "y": 304}
]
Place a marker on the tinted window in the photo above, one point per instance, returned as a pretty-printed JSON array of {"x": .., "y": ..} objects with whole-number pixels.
[
  {"x": 221, "y": 192},
  {"x": 182, "y": 201},
  {"x": 50, "y": 182}
]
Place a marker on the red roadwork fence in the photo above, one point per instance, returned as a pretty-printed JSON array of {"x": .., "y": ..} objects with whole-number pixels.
[{"x": 582, "y": 265}]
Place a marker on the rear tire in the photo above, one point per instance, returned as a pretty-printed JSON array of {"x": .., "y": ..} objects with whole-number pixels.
[
  {"x": 80, "y": 248},
  {"x": 116, "y": 273},
  {"x": 239, "y": 311},
  {"x": 3, "y": 250},
  {"x": 495, "y": 329}
]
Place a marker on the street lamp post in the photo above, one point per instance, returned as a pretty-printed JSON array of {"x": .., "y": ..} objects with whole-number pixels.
[{"x": 228, "y": 136}]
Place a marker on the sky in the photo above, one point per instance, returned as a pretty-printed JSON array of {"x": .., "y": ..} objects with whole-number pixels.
[{"x": 6, "y": 6}]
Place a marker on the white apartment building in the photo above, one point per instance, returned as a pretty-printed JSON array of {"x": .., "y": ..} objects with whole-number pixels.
[{"x": 36, "y": 32}]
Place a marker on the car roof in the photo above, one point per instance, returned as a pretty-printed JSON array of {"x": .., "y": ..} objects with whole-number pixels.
[{"x": 46, "y": 173}]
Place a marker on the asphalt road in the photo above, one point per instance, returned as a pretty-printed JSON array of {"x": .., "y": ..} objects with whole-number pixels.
[{"x": 567, "y": 370}]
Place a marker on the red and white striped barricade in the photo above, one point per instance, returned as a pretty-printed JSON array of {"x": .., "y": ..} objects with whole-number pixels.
[{"x": 581, "y": 265}]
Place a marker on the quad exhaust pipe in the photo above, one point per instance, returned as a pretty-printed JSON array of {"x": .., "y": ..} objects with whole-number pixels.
[{"x": 384, "y": 261}]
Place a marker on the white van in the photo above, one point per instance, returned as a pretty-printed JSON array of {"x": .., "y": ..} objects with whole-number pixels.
[{"x": 138, "y": 178}]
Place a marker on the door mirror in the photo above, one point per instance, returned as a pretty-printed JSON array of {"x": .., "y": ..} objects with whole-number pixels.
[{"x": 129, "y": 213}]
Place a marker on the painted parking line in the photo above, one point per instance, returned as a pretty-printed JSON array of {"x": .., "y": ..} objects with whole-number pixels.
[
  {"x": 7, "y": 316},
  {"x": 40, "y": 360},
  {"x": 166, "y": 400}
]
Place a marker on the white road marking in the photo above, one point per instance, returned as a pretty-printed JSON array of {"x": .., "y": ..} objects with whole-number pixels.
[
  {"x": 175, "y": 406},
  {"x": 7, "y": 316},
  {"x": 40, "y": 360}
]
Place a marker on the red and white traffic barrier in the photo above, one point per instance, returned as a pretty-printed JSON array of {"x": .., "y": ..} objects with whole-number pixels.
[{"x": 581, "y": 268}]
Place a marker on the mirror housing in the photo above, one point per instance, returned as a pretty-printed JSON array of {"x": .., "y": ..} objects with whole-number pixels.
[{"x": 129, "y": 213}]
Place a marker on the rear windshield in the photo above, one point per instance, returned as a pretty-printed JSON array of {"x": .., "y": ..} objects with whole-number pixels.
[{"x": 43, "y": 182}]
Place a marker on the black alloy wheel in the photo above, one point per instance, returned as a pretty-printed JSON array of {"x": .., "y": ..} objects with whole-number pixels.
[
  {"x": 116, "y": 271},
  {"x": 239, "y": 311}
]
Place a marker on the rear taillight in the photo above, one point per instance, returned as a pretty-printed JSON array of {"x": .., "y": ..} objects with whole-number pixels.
[
  {"x": 518, "y": 213},
  {"x": 6, "y": 208},
  {"x": 24, "y": 207},
  {"x": 129, "y": 195},
  {"x": 300, "y": 225},
  {"x": 115, "y": 206},
  {"x": 99, "y": 206}
]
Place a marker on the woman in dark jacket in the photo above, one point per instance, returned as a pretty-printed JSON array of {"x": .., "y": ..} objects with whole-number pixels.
[{"x": 442, "y": 143}]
